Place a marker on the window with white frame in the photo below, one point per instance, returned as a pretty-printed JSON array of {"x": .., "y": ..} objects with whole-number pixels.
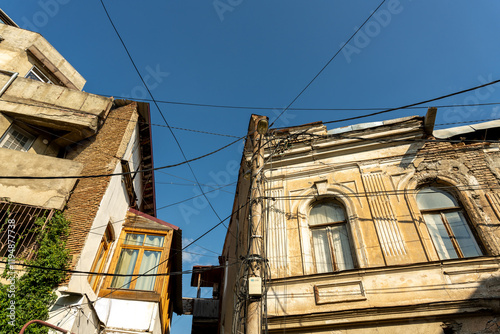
[
  {"x": 447, "y": 224},
  {"x": 330, "y": 237},
  {"x": 36, "y": 73},
  {"x": 17, "y": 139}
]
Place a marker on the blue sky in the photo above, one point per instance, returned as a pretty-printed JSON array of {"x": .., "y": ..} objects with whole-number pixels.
[{"x": 263, "y": 53}]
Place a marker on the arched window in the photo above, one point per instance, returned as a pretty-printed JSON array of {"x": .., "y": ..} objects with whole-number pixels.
[
  {"x": 332, "y": 249},
  {"x": 447, "y": 224}
]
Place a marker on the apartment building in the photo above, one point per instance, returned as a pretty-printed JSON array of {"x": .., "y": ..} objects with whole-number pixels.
[
  {"x": 381, "y": 227},
  {"x": 91, "y": 158}
]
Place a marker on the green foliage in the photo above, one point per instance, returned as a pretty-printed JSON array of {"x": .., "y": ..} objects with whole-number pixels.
[{"x": 34, "y": 291}]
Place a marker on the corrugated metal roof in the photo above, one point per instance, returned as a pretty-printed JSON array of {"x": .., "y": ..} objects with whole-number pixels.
[
  {"x": 451, "y": 132},
  {"x": 362, "y": 126}
]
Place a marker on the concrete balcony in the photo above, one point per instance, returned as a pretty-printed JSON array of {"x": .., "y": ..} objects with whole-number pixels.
[
  {"x": 47, "y": 193},
  {"x": 55, "y": 107}
]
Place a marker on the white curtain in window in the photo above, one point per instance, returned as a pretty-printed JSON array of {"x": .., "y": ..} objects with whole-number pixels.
[
  {"x": 134, "y": 239},
  {"x": 125, "y": 266},
  {"x": 440, "y": 237},
  {"x": 324, "y": 213},
  {"x": 341, "y": 247},
  {"x": 149, "y": 263},
  {"x": 463, "y": 234},
  {"x": 154, "y": 241},
  {"x": 322, "y": 251}
]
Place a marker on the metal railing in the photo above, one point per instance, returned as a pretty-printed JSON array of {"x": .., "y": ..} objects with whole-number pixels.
[{"x": 21, "y": 224}]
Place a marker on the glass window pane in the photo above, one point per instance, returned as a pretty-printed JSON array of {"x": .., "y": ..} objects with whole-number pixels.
[
  {"x": 36, "y": 74},
  {"x": 15, "y": 140},
  {"x": 125, "y": 266},
  {"x": 322, "y": 251},
  {"x": 108, "y": 234},
  {"x": 440, "y": 237},
  {"x": 463, "y": 234},
  {"x": 97, "y": 266},
  {"x": 435, "y": 198},
  {"x": 324, "y": 213},
  {"x": 149, "y": 265},
  {"x": 33, "y": 76},
  {"x": 134, "y": 239},
  {"x": 154, "y": 241},
  {"x": 341, "y": 247}
]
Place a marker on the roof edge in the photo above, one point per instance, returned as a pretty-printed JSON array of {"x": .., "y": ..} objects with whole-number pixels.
[{"x": 156, "y": 220}]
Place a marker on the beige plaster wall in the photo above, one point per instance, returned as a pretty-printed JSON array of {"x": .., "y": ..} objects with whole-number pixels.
[
  {"x": 49, "y": 193},
  {"x": 398, "y": 276},
  {"x": 13, "y": 56}
]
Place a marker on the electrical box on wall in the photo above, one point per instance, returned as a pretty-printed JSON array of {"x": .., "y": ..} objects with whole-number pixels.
[{"x": 255, "y": 287}]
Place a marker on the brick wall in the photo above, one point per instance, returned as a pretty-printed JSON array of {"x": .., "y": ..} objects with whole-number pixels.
[
  {"x": 471, "y": 155},
  {"x": 99, "y": 156}
]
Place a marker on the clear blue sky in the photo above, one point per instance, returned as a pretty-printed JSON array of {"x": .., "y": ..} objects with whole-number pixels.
[{"x": 263, "y": 53}]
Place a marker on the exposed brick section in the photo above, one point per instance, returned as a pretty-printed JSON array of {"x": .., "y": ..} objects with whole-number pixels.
[
  {"x": 99, "y": 157},
  {"x": 471, "y": 155}
]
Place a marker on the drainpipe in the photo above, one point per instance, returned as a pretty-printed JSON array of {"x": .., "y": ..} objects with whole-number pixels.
[
  {"x": 11, "y": 80},
  {"x": 46, "y": 324}
]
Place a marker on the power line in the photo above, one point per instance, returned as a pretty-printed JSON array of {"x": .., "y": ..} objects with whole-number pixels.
[
  {"x": 178, "y": 128},
  {"x": 159, "y": 110},
  {"x": 404, "y": 140},
  {"x": 73, "y": 111},
  {"x": 191, "y": 243},
  {"x": 328, "y": 63},
  {"x": 190, "y": 198},
  {"x": 124, "y": 173},
  {"x": 79, "y": 271},
  {"x": 221, "y": 106},
  {"x": 385, "y": 192},
  {"x": 206, "y": 155},
  {"x": 203, "y": 184},
  {"x": 413, "y": 104},
  {"x": 139, "y": 275},
  {"x": 216, "y": 225}
]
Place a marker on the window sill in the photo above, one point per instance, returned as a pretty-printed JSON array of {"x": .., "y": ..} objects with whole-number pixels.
[{"x": 140, "y": 295}]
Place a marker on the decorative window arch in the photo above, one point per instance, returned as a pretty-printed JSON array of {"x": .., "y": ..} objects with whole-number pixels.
[
  {"x": 330, "y": 237},
  {"x": 447, "y": 224}
]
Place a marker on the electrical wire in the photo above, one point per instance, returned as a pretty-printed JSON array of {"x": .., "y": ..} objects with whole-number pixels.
[
  {"x": 124, "y": 173},
  {"x": 328, "y": 63},
  {"x": 413, "y": 104},
  {"x": 203, "y": 184},
  {"x": 180, "y": 163},
  {"x": 190, "y": 198},
  {"x": 218, "y": 106},
  {"x": 184, "y": 272},
  {"x": 161, "y": 113}
]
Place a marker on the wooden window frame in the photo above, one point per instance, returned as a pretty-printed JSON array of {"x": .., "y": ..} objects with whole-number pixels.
[
  {"x": 441, "y": 212},
  {"x": 131, "y": 293},
  {"x": 105, "y": 246},
  {"x": 326, "y": 226}
]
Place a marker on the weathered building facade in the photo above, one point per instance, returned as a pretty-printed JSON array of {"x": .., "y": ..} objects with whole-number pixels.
[
  {"x": 383, "y": 227},
  {"x": 90, "y": 157}
]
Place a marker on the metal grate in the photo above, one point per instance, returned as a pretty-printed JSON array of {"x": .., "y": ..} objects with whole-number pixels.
[{"x": 24, "y": 231}]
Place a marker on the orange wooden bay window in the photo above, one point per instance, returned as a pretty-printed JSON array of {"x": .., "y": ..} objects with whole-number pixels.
[{"x": 139, "y": 252}]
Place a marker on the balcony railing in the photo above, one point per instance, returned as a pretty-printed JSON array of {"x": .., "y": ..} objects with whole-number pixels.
[{"x": 21, "y": 226}]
